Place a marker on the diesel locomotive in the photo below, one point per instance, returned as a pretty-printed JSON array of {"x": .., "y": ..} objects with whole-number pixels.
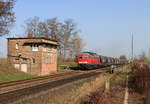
[{"x": 90, "y": 60}]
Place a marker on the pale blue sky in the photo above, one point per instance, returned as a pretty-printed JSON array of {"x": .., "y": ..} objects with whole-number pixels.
[{"x": 106, "y": 25}]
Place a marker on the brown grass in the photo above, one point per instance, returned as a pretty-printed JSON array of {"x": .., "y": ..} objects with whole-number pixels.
[
  {"x": 140, "y": 77},
  {"x": 70, "y": 94},
  {"x": 139, "y": 80}
]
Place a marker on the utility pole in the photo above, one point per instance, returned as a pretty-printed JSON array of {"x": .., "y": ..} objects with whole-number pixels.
[{"x": 132, "y": 47}]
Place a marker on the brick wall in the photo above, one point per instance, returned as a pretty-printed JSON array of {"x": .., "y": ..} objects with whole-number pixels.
[{"x": 43, "y": 58}]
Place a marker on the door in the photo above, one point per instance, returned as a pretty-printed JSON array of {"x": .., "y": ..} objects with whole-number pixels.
[
  {"x": 24, "y": 68},
  {"x": 16, "y": 66}
]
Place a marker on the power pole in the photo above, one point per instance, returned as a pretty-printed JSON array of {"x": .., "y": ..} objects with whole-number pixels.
[{"x": 132, "y": 47}]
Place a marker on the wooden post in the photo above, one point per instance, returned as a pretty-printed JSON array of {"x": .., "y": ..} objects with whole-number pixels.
[{"x": 107, "y": 85}]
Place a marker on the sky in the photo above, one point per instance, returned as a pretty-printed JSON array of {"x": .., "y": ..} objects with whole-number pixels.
[{"x": 106, "y": 25}]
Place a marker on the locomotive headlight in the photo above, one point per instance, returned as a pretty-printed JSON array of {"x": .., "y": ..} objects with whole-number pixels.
[{"x": 83, "y": 62}]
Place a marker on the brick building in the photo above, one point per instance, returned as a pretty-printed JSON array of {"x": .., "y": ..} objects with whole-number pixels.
[{"x": 33, "y": 55}]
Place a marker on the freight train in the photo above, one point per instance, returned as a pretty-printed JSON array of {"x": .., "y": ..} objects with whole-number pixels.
[{"x": 90, "y": 60}]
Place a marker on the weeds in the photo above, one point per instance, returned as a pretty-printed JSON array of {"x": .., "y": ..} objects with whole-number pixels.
[
  {"x": 139, "y": 79},
  {"x": 97, "y": 98}
]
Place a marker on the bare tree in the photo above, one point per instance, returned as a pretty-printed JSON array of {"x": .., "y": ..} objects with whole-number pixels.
[
  {"x": 149, "y": 54},
  {"x": 54, "y": 28},
  {"x": 142, "y": 56},
  {"x": 6, "y": 16},
  {"x": 65, "y": 33},
  {"x": 123, "y": 57},
  {"x": 77, "y": 45},
  {"x": 49, "y": 28},
  {"x": 68, "y": 32},
  {"x": 32, "y": 26}
]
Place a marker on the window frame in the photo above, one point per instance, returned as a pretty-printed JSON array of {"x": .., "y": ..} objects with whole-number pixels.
[{"x": 34, "y": 47}]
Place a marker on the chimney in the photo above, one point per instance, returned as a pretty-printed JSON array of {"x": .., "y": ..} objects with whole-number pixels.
[{"x": 30, "y": 35}]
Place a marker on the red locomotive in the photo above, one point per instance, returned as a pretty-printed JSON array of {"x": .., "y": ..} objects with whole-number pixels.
[{"x": 88, "y": 60}]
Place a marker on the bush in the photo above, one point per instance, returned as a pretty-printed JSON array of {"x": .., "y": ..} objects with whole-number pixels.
[{"x": 140, "y": 77}]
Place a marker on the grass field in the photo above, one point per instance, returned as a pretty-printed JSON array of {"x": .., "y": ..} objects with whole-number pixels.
[
  {"x": 10, "y": 74},
  {"x": 69, "y": 64}
]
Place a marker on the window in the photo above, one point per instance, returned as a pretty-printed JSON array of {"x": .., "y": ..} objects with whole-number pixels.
[
  {"x": 33, "y": 60},
  {"x": 48, "y": 49},
  {"x": 80, "y": 57},
  {"x": 17, "y": 46},
  {"x": 16, "y": 59},
  {"x": 34, "y": 47},
  {"x": 85, "y": 57}
]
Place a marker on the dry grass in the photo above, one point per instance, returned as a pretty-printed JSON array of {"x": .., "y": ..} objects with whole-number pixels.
[
  {"x": 140, "y": 77},
  {"x": 70, "y": 94},
  {"x": 114, "y": 95},
  {"x": 139, "y": 81},
  {"x": 74, "y": 93}
]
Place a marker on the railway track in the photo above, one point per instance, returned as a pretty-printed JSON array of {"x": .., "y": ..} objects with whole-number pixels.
[
  {"x": 15, "y": 91},
  {"x": 19, "y": 83},
  {"x": 8, "y": 86}
]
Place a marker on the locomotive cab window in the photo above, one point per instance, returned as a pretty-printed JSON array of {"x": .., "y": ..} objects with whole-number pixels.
[
  {"x": 85, "y": 57},
  {"x": 80, "y": 57}
]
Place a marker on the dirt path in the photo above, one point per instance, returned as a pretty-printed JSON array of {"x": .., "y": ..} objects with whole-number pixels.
[{"x": 126, "y": 97}]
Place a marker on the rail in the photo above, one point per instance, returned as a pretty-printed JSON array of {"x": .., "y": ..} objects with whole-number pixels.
[{"x": 6, "y": 85}]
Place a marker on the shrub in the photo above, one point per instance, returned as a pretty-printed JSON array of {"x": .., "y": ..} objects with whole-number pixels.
[{"x": 140, "y": 77}]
